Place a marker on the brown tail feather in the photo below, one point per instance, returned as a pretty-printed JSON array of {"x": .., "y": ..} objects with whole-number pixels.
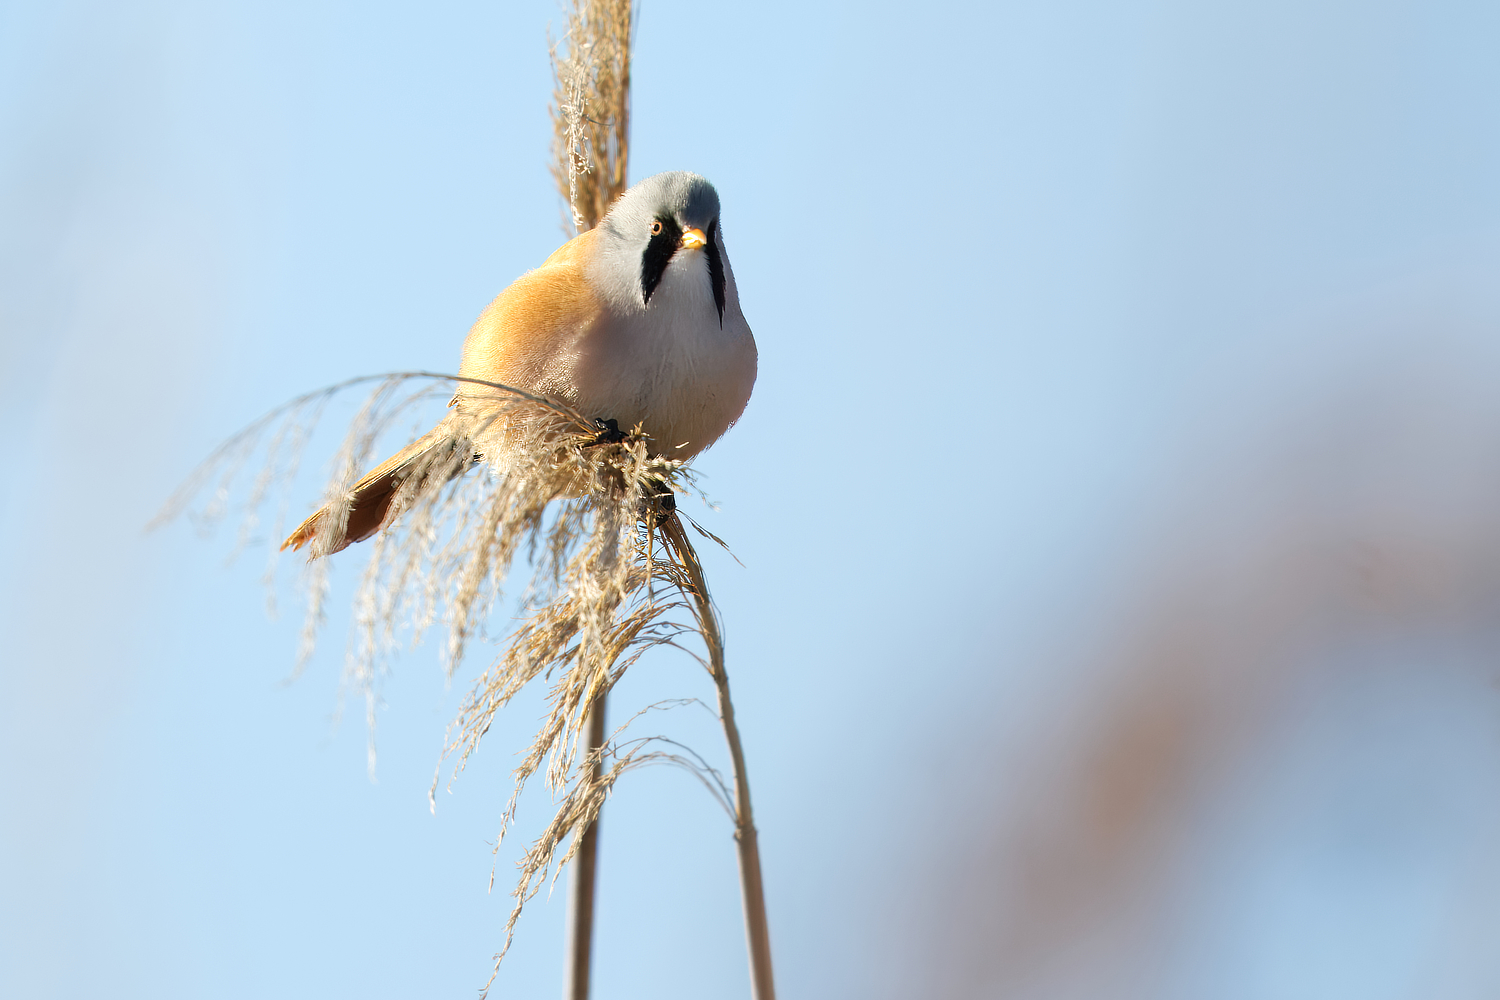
[{"x": 370, "y": 499}]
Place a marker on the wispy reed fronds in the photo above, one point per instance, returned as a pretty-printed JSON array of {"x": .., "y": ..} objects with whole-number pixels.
[{"x": 613, "y": 575}]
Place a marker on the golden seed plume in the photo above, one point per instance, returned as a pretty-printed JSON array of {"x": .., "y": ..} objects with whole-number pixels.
[{"x": 591, "y": 108}]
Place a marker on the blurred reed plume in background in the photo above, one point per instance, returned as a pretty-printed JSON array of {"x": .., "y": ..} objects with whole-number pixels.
[{"x": 1277, "y": 752}]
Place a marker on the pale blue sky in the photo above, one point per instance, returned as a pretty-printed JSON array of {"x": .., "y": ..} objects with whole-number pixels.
[{"x": 1094, "y": 338}]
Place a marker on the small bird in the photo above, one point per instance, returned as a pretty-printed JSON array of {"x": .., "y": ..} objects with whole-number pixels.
[{"x": 634, "y": 322}]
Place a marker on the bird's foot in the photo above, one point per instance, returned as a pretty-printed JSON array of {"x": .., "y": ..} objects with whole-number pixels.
[
  {"x": 609, "y": 432},
  {"x": 657, "y": 497}
]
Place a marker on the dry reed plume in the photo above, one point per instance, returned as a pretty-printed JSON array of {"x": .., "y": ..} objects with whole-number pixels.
[
  {"x": 613, "y": 575},
  {"x": 591, "y": 108}
]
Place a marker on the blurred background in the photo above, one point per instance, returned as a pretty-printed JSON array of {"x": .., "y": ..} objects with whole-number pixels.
[{"x": 1119, "y": 503}]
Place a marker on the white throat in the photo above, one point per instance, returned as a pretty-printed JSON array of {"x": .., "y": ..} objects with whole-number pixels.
[{"x": 671, "y": 364}]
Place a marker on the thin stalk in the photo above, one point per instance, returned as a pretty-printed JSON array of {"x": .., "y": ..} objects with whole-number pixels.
[
  {"x": 747, "y": 845},
  {"x": 591, "y": 123},
  {"x": 591, "y": 129},
  {"x": 579, "y": 947}
]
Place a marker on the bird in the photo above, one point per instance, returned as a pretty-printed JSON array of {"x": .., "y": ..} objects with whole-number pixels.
[{"x": 635, "y": 323}]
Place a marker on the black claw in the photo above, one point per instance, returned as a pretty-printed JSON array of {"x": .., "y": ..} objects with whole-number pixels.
[
  {"x": 659, "y": 497},
  {"x": 609, "y": 432}
]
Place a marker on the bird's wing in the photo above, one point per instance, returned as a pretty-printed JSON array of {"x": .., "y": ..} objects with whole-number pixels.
[
  {"x": 523, "y": 339},
  {"x": 526, "y": 337}
]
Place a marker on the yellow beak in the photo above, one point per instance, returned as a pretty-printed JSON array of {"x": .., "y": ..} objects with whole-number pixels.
[{"x": 693, "y": 239}]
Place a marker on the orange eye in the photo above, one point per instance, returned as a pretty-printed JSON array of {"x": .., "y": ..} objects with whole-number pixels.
[{"x": 656, "y": 228}]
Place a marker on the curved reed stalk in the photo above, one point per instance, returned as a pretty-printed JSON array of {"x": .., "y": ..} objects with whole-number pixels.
[{"x": 752, "y": 889}]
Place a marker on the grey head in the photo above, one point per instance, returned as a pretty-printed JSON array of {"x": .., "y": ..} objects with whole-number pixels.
[{"x": 659, "y": 221}]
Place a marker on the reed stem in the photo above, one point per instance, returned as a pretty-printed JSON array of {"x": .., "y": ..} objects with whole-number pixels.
[
  {"x": 591, "y": 122},
  {"x": 747, "y": 844},
  {"x": 579, "y": 946}
]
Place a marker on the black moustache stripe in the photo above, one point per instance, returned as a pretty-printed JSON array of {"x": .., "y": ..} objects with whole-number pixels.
[
  {"x": 716, "y": 270},
  {"x": 657, "y": 255}
]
